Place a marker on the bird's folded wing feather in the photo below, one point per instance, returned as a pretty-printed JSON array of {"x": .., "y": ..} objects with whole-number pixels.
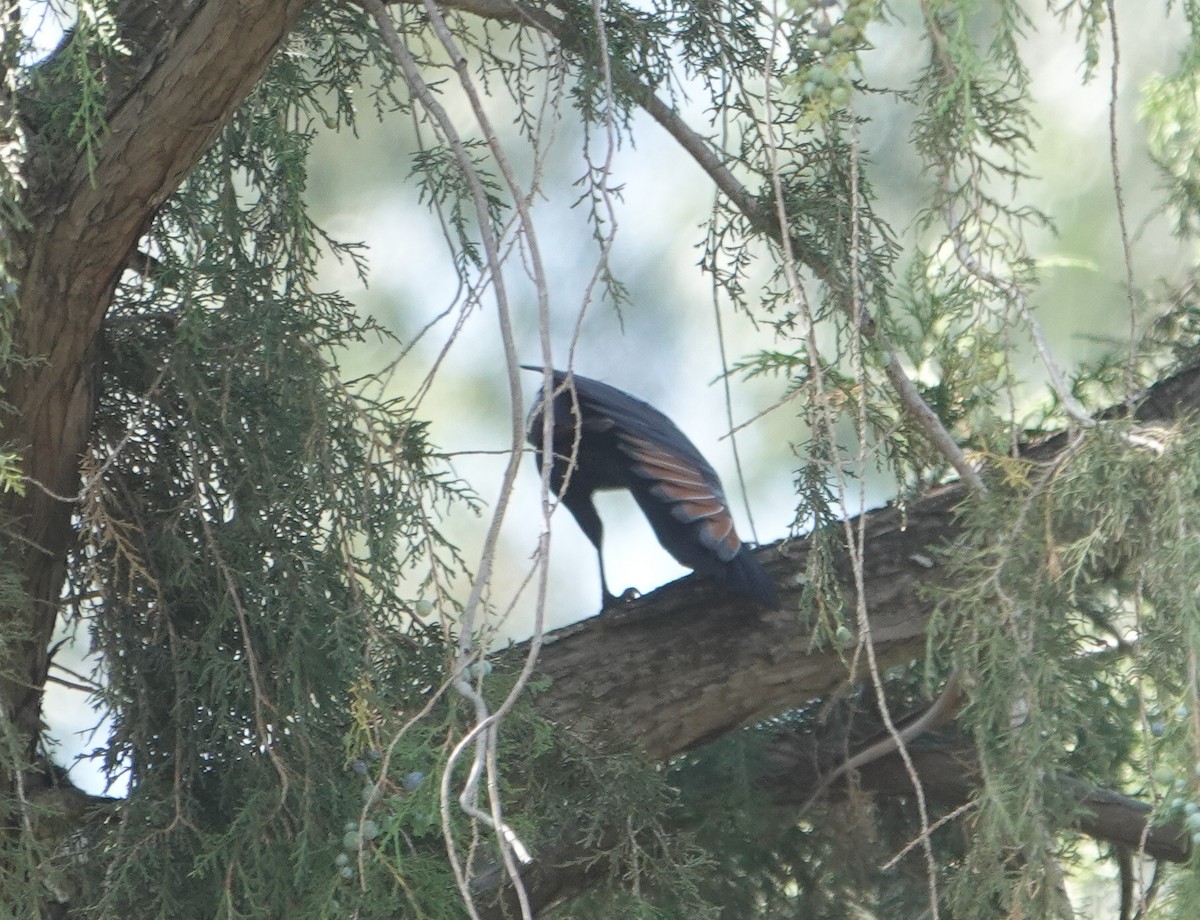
[{"x": 692, "y": 494}]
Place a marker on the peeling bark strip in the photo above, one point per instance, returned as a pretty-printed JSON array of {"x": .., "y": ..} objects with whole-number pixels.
[{"x": 192, "y": 64}]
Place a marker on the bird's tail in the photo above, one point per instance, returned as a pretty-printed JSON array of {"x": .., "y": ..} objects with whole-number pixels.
[{"x": 746, "y": 576}]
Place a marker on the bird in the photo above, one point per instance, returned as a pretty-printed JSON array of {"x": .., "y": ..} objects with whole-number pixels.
[{"x": 605, "y": 439}]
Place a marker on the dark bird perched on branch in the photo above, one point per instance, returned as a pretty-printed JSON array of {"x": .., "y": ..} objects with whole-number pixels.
[{"x": 607, "y": 439}]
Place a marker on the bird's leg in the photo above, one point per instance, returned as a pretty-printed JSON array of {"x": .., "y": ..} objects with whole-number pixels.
[
  {"x": 607, "y": 598},
  {"x": 580, "y": 504}
]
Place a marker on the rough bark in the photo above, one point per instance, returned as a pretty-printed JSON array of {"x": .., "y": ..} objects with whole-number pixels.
[
  {"x": 949, "y": 774},
  {"x": 192, "y": 63},
  {"x": 696, "y": 663}
]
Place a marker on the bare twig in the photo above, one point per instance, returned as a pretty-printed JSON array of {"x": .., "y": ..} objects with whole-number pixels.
[
  {"x": 482, "y": 736},
  {"x": 1114, "y": 159},
  {"x": 927, "y": 832}
]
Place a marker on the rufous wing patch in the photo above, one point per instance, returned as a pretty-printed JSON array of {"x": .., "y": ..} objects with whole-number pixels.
[
  {"x": 718, "y": 535},
  {"x": 654, "y": 462},
  {"x": 689, "y": 493}
]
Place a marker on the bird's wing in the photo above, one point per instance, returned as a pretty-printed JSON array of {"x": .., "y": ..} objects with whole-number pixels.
[
  {"x": 676, "y": 474},
  {"x": 694, "y": 496}
]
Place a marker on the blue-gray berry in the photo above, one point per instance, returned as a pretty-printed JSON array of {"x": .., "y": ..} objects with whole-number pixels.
[{"x": 413, "y": 780}]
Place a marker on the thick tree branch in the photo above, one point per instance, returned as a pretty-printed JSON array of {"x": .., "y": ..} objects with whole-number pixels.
[
  {"x": 689, "y": 663},
  {"x": 949, "y": 771}
]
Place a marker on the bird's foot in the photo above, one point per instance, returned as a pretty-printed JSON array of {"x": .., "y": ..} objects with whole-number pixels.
[{"x": 613, "y": 601}]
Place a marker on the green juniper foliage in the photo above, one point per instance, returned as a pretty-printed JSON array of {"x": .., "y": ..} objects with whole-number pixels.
[
  {"x": 262, "y": 564},
  {"x": 256, "y": 528}
]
